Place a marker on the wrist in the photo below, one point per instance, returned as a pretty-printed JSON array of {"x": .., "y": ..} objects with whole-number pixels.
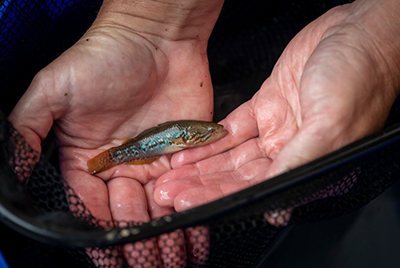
[{"x": 161, "y": 22}]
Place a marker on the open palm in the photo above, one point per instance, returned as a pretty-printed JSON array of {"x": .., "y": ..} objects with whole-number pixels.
[
  {"x": 108, "y": 87},
  {"x": 325, "y": 91}
]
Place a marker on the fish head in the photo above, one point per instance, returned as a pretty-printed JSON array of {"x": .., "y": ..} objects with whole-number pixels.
[{"x": 202, "y": 133}]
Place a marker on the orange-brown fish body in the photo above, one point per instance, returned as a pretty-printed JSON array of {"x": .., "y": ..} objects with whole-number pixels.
[{"x": 166, "y": 138}]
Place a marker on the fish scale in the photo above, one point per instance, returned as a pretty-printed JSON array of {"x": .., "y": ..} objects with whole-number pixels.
[{"x": 166, "y": 138}]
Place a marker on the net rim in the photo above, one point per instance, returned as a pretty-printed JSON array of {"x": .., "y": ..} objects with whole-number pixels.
[{"x": 59, "y": 235}]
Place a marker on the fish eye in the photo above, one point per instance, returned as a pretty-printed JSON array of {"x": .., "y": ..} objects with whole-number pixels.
[{"x": 211, "y": 129}]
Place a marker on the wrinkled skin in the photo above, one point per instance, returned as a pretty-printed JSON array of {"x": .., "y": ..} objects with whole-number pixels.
[
  {"x": 95, "y": 110},
  {"x": 110, "y": 86},
  {"x": 334, "y": 84},
  {"x": 330, "y": 87}
]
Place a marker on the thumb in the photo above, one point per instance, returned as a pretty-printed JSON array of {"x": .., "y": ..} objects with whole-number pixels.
[
  {"x": 308, "y": 144},
  {"x": 32, "y": 116}
]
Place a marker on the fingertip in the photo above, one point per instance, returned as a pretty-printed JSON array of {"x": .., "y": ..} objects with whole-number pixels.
[
  {"x": 163, "y": 179},
  {"x": 197, "y": 196},
  {"x": 31, "y": 123},
  {"x": 30, "y": 137},
  {"x": 179, "y": 173},
  {"x": 162, "y": 196},
  {"x": 159, "y": 182},
  {"x": 178, "y": 159},
  {"x": 165, "y": 194},
  {"x": 188, "y": 200},
  {"x": 183, "y": 203}
]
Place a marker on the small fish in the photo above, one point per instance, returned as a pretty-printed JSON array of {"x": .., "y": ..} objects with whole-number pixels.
[{"x": 166, "y": 138}]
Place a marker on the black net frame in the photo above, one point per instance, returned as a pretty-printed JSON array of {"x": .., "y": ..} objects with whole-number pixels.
[{"x": 241, "y": 226}]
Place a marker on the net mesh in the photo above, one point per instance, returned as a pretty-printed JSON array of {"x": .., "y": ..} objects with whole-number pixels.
[{"x": 32, "y": 33}]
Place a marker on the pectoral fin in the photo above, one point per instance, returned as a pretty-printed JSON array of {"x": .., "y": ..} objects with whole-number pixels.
[
  {"x": 179, "y": 142},
  {"x": 125, "y": 141},
  {"x": 143, "y": 161}
]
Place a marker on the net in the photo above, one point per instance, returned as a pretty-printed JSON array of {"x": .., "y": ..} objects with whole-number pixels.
[{"x": 231, "y": 232}]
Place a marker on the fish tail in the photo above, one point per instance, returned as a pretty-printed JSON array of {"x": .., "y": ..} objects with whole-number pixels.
[{"x": 100, "y": 162}]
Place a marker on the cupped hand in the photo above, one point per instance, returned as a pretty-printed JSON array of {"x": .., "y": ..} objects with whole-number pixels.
[
  {"x": 111, "y": 85},
  {"x": 331, "y": 86}
]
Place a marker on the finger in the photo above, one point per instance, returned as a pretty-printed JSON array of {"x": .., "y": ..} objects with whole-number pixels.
[
  {"x": 128, "y": 203},
  {"x": 194, "y": 197},
  {"x": 32, "y": 116},
  {"x": 165, "y": 194},
  {"x": 143, "y": 253},
  {"x": 253, "y": 172},
  {"x": 185, "y": 194},
  {"x": 172, "y": 249},
  {"x": 171, "y": 245},
  {"x": 127, "y": 200},
  {"x": 23, "y": 157},
  {"x": 198, "y": 244},
  {"x": 241, "y": 126},
  {"x": 92, "y": 192},
  {"x": 105, "y": 257},
  {"x": 312, "y": 141},
  {"x": 94, "y": 195},
  {"x": 228, "y": 161},
  {"x": 276, "y": 113}
]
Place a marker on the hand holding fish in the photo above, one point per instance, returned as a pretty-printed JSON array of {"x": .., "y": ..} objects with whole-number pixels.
[
  {"x": 114, "y": 83},
  {"x": 334, "y": 83},
  {"x": 151, "y": 144}
]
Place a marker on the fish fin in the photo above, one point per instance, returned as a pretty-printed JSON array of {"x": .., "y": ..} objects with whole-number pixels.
[
  {"x": 100, "y": 162},
  {"x": 125, "y": 141},
  {"x": 143, "y": 161},
  {"x": 179, "y": 142}
]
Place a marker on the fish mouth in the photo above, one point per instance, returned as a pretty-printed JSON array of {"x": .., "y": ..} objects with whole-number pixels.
[
  {"x": 218, "y": 134},
  {"x": 223, "y": 132}
]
